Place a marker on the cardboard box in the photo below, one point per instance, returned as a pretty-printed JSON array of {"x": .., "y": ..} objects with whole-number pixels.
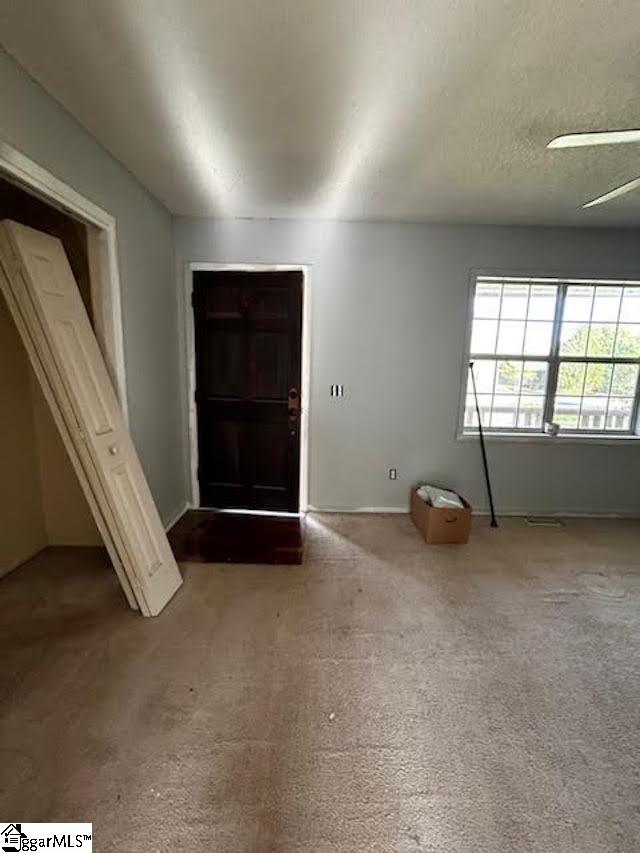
[{"x": 441, "y": 526}]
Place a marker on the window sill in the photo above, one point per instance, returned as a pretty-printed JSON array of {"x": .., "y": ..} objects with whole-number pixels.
[{"x": 543, "y": 438}]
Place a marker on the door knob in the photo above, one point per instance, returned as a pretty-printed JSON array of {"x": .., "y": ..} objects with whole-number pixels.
[{"x": 293, "y": 403}]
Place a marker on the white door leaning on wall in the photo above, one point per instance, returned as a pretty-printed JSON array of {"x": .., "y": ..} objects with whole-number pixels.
[{"x": 47, "y": 308}]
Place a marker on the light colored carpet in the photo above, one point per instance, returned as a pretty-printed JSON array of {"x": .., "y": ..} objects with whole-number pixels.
[{"x": 385, "y": 696}]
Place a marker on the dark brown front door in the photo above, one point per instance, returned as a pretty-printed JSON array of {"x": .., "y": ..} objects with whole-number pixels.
[{"x": 248, "y": 337}]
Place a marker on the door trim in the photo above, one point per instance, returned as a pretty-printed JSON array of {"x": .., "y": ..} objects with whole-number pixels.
[
  {"x": 103, "y": 256},
  {"x": 189, "y": 405}
]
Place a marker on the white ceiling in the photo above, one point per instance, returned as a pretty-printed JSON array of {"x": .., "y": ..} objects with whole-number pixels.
[{"x": 427, "y": 110}]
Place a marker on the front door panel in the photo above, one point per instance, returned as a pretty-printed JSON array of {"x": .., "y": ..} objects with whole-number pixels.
[{"x": 248, "y": 328}]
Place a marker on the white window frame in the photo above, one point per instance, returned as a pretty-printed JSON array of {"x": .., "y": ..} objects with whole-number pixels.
[{"x": 554, "y": 359}]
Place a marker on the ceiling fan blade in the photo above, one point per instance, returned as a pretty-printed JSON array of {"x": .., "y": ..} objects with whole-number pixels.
[
  {"x": 623, "y": 190},
  {"x": 604, "y": 137}
]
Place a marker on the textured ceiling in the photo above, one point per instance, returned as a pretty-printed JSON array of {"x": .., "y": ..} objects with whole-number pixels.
[{"x": 427, "y": 110}]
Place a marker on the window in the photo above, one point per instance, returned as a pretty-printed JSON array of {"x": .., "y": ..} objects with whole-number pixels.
[{"x": 550, "y": 351}]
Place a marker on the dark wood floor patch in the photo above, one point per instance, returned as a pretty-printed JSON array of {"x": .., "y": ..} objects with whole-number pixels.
[{"x": 204, "y": 536}]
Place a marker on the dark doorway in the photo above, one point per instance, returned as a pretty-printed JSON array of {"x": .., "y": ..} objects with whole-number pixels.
[
  {"x": 21, "y": 206},
  {"x": 248, "y": 347}
]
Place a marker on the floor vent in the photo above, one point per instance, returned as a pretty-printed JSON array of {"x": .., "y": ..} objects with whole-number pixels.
[{"x": 542, "y": 521}]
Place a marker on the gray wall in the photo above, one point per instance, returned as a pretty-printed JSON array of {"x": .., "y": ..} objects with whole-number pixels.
[
  {"x": 389, "y": 309},
  {"x": 36, "y": 125}
]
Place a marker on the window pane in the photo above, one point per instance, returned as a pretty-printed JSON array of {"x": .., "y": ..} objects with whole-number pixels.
[
  {"x": 534, "y": 377},
  {"x": 578, "y": 302},
  {"x": 583, "y": 395},
  {"x": 505, "y": 407},
  {"x": 592, "y": 413},
  {"x": 598, "y": 380},
  {"x": 515, "y": 298},
  {"x": 470, "y": 416},
  {"x": 630, "y": 311},
  {"x": 487, "y": 300},
  {"x": 571, "y": 377},
  {"x": 508, "y": 377},
  {"x": 542, "y": 302},
  {"x": 601, "y": 340},
  {"x": 483, "y": 336},
  {"x": 619, "y": 413},
  {"x": 628, "y": 340},
  {"x": 606, "y": 304},
  {"x": 538, "y": 338},
  {"x": 565, "y": 412},
  {"x": 484, "y": 373},
  {"x": 573, "y": 339},
  {"x": 531, "y": 412},
  {"x": 625, "y": 378},
  {"x": 510, "y": 337}
]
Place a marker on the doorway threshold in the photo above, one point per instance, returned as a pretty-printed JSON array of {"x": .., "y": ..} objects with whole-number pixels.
[
  {"x": 267, "y": 513},
  {"x": 231, "y": 536}
]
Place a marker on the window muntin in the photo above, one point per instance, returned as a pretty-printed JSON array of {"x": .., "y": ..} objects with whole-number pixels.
[{"x": 551, "y": 350}]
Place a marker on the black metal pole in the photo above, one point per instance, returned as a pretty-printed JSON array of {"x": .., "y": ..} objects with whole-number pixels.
[{"x": 494, "y": 523}]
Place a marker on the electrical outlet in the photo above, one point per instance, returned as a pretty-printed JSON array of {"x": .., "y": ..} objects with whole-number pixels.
[
  {"x": 337, "y": 390},
  {"x": 393, "y": 473}
]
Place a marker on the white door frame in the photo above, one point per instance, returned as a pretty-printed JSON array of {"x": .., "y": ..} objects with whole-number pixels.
[
  {"x": 103, "y": 256},
  {"x": 191, "y": 419}
]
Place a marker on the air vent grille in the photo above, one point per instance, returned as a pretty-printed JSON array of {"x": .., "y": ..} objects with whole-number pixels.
[{"x": 543, "y": 521}]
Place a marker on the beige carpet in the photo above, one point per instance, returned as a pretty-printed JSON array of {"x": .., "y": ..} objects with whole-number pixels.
[{"x": 384, "y": 697}]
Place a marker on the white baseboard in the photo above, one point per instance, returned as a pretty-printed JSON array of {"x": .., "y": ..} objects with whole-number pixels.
[
  {"x": 377, "y": 510},
  {"x": 506, "y": 512},
  {"x": 561, "y": 513},
  {"x": 175, "y": 515}
]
